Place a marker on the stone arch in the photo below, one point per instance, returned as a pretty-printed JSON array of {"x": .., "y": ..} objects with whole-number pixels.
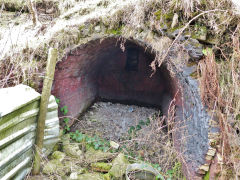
[{"x": 97, "y": 69}]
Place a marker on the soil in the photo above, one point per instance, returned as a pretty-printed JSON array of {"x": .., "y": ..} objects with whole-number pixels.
[{"x": 112, "y": 121}]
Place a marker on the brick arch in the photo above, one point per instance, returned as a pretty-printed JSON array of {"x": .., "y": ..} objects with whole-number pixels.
[{"x": 99, "y": 69}]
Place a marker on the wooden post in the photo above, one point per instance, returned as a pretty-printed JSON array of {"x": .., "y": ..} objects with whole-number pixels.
[
  {"x": 33, "y": 11},
  {"x": 46, "y": 92}
]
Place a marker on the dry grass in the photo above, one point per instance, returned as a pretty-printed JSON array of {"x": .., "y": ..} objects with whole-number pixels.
[
  {"x": 209, "y": 84},
  {"x": 220, "y": 91},
  {"x": 230, "y": 117}
]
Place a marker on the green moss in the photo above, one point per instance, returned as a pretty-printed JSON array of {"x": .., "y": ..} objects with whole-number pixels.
[
  {"x": 101, "y": 166},
  {"x": 206, "y": 177},
  {"x": 91, "y": 176},
  {"x": 194, "y": 75},
  {"x": 171, "y": 30},
  {"x": 107, "y": 176},
  {"x": 207, "y": 51},
  {"x": 116, "y": 31},
  {"x": 158, "y": 14},
  {"x": 167, "y": 17},
  {"x": 199, "y": 32},
  {"x": 119, "y": 167},
  {"x": 58, "y": 155}
]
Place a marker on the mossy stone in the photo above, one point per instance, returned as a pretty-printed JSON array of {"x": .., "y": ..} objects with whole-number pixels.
[
  {"x": 54, "y": 167},
  {"x": 200, "y": 33},
  {"x": 93, "y": 156},
  {"x": 101, "y": 166},
  {"x": 91, "y": 176},
  {"x": 73, "y": 150},
  {"x": 119, "y": 167},
  {"x": 107, "y": 176},
  {"x": 58, "y": 155}
]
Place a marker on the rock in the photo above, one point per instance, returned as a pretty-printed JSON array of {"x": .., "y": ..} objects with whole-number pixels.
[
  {"x": 143, "y": 175},
  {"x": 107, "y": 176},
  {"x": 173, "y": 33},
  {"x": 54, "y": 167},
  {"x": 194, "y": 49},
  {"x": 73, "y": 175},
  {"x": 58, "y": 155},
  {"x": 211, "y": 152},
  {"x": 91, "y": 176},
  {"x": 114, "y": 145},
  {"x": 73, "y": 166},
  {"x": 65, "y": 139},
  {"x": 174, "y": 20},
  {"x": 119, "y": 167},
  {"x": 97, "y": 29},
  {"x": 73, "y": 150},
  {"x": 200, "y": 33},
  {"x": 92, "y": 156},
  {"x": 101, "y": 166}
]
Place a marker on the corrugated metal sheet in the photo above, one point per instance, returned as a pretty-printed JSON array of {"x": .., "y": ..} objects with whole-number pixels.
[{"x": 19, "y": 107}]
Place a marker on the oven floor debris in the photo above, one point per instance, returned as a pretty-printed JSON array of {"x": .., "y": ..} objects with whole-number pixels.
[{"x": 113, "y": 121}]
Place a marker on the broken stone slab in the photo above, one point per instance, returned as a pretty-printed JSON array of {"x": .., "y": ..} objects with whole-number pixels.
[
  {"x": 119, "y": 167},
  {"x": 76, "y": 173},
  {"x": 58, "y": 155},
  {"x": 114, "y": 145},
  {"x": 55, "y": 167},
  {"x": 73, "y": 150},
  {"x": 92, "y": 156}
]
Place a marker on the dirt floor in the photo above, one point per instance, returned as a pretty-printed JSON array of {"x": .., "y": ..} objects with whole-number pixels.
[
  {"x": 113, "y": 121},
  {"x": 140, "y": 134}
]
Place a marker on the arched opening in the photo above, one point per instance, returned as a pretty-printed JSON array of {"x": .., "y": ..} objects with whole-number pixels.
[
  {"x": 101, "y": 70},
  {"x": 104, "y": 71}
]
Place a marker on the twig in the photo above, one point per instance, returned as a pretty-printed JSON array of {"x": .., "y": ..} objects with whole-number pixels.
[{"x": 33, "y": 11}]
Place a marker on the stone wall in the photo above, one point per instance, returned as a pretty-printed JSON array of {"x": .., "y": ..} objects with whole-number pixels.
[{"x": 19, "y": 107}]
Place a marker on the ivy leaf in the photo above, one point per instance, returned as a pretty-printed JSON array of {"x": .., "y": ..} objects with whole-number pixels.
[
  {"x": 141, "y": 123},
  {"x": 66, "y": 120},
  {"x": 131, "y": 129},
  {"x": 138, "y": 127},
  {"x": 148, "y": 121},
  {"x": 57, "y": 100}
]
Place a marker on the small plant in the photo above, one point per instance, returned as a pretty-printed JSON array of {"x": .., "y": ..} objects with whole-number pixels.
[
  {"x": 132, "y": 130},
  {"x": 175, "y": 172},
  {"x": 94, "y": 142},
  {"x": 64, "y": 110},
  {"x": 57, "y": 100}
]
